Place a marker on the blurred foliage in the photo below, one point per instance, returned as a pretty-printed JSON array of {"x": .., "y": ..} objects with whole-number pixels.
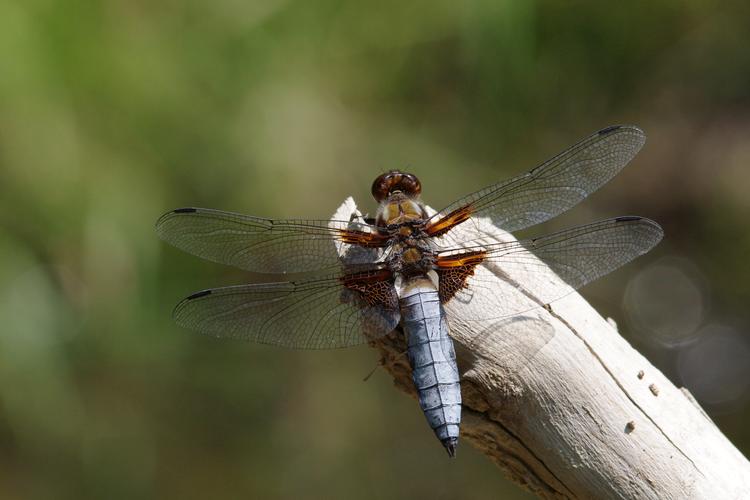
[{"x": 112, "y": 112}]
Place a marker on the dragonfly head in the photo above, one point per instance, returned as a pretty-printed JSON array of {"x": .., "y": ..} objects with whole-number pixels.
[{"x": 394, "y": 181}]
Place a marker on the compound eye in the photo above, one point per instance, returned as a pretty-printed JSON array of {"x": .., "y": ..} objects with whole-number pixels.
[
  {"x": 411, "y": 185},
  {"x": 382, "y": 186},
  {"x": 395, "y": 180}
]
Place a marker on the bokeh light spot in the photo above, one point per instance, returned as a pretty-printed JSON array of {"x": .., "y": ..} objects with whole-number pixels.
[
  {"x": 715, "y": 368},
  {"x": 666, "y": 302}
]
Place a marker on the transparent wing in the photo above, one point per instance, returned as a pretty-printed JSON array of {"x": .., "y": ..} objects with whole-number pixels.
[
  {"x": 322, "y": 313},
  {"x": 265, "y": 245},
  {"x": 550, "y": 189},
  {"x": 510, "y": 343},
  {"x": 494, "y": 281}
]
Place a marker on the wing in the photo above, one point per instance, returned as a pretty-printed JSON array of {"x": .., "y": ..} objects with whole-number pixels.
[
  {"x": 550, "y": 189},
  {"x": 517, "y": 276},
  {"x": 266, "y": 245},
  {"x": 337, "y": 311}
]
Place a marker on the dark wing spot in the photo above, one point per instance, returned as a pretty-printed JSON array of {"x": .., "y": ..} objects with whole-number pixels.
[
  {"x": 628, "y": 218},
  {"x": 185, "y": 210},
  {"x": 197, "y": 295},
  {"x": 607, "y": 130}
]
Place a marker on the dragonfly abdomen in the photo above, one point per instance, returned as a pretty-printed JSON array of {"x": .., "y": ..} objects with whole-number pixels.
[{"x": 433, "y": 360}]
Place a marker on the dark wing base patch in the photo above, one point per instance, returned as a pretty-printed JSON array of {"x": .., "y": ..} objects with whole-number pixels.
[
  {"x": 449, "y": 221},
  {"x": 454, "y": 270},
  {"x": 363, "y": 238},
  {"x": 375, "y": 288}
]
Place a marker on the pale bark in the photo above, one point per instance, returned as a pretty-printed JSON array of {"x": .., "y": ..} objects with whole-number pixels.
[{"x": 556, "y": 399}]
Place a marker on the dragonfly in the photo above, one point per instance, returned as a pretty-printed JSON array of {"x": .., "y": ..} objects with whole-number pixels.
[{"x": 358, "y": 280}]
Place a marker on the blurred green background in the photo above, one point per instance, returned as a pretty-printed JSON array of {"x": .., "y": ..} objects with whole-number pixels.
[{"x": 112, "y": 112}]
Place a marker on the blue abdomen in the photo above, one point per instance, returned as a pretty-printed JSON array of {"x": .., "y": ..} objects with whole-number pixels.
[{"x": 433, "y": 361}]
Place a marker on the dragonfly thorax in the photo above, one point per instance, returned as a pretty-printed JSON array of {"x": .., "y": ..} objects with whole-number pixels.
[
  {"x": 400, "y": 209},
  {"x": 411, "y": 257}
]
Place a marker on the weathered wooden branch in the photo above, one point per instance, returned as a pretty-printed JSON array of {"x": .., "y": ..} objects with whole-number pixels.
[{"x": 568, "y": 409}]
